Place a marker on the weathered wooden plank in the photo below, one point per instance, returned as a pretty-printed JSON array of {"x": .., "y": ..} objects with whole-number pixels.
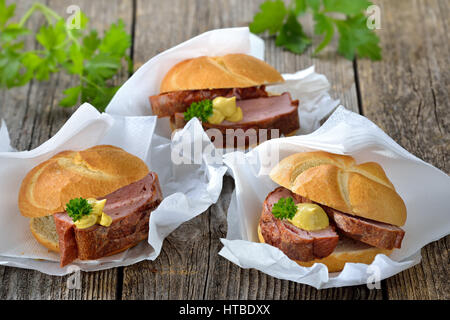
[
  {"x": 189, "y": 266},
  {"x": 407, "y": 95},
  {"x": 33, "y": 115}
]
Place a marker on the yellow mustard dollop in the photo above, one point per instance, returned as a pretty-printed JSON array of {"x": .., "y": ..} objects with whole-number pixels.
[
  {"x": 97, "y": 216},
  {"x": 310, "y": 217},
  {"x": 105, "y": 220},
  {"x": 225, "y": 109},
  {"x": 86, "y": 221}
]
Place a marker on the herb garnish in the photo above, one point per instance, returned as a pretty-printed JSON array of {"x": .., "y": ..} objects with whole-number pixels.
[
  {"x": 63, "y": 45},
  {"x": 77, "y": 208},
  {"x": 285, "y": 208},
  {"x": 345, "y": 16},
  {"x": 201, "y": 109}
]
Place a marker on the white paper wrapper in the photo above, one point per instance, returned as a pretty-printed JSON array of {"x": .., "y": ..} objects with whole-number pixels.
[
  {"x": 132, "y": 98},
  {"x": 425, "y": 190},
  {"x": 187, "y": 190}
]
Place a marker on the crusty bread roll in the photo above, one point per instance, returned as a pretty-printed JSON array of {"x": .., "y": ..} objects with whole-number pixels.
[
  {"x": 91, "y": 173},
  {"x": 347, "y": 250},
  {"x": 338, "y": 182},
  {"x": 228, "y": 71}
]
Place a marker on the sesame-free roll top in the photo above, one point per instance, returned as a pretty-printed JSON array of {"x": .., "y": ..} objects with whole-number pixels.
[
  {"x": 337, "y": 181},
  {"x": 229, "y": 71},
  {"x": 94, "y": 172}
]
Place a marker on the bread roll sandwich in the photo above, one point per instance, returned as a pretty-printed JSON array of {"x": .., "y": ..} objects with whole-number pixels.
[
  {"x": 89, "y": 204},
  {"x": 331, "y": 210},
  {"x": 227, "y": 92}
]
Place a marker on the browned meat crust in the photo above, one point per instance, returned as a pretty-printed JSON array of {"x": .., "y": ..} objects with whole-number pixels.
[
  {"x": 296, "y": 243},
  {"x": 167, "y": 104},
  {"x": 129, "y": 208}
]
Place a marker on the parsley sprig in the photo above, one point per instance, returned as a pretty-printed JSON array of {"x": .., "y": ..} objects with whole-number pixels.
[
  {"x": 77, "y": 208},
  {"x": 93, "y": 59},
  {"x": 285, "y": 208},
  {"x": 201, "y": 109},
  {"x": 355, "y": 38}
]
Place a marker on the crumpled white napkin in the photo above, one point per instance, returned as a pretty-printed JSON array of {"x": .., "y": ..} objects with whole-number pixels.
[{"x": 424, "y": 188}]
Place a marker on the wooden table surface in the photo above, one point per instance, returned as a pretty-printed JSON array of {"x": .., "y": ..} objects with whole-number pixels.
[{"x": 406, "y": 94}]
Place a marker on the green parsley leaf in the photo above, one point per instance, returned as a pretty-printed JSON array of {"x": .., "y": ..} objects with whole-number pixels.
[
  {"x": 77, "y": 208},
  {"x": 102, "y": 66},
  {"x": 6, "y": 12},
  {"x": 116, "y": 40},
  {"x": 285, "y": 208},
  {"x": 356, "y": 38},
  {"x": 271, "y": 17},
  {"x": 75, "y": 64},
  {"x": 324, "y": 25},
  {"x": 292, "y": 37},
  {"x": 12, "y": 32},
  {"x": 313, "y": 4},
  {"x": 11, "y": 69},
  {"x": 95, "y": 60},
  {"x": 52, "y": 36},
  {"x": 71, "y": 97},
  {"x": 36, "y": 66},
  {"x": 99, "y": 99},
  {"x": 90, "y": 44},
  {"x": 202, "y": 110},
  {"x": 300, "y": 7}
]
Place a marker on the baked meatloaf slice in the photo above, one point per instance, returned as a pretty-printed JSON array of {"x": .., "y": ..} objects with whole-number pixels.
[
  {"x": 278, "y": 112},
  {"x": 296, "y": 243},
  {"x": 129, "y": 207}
]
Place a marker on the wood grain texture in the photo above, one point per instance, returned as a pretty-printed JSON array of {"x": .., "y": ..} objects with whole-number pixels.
[
  {"x": 32, "y": 115},
  {"x": 407, "y": 95},
  {"x": 189, "y": 266}
]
